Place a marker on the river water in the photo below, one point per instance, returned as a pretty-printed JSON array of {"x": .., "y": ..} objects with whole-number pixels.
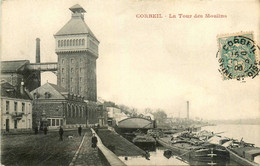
[{"x": 249, "y": 133}]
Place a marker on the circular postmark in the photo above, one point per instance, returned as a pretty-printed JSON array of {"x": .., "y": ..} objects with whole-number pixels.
[{"x": 237, "y": 57}]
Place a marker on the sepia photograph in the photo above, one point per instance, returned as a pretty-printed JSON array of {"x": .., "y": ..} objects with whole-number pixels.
[{"x": 130, "y": 83}]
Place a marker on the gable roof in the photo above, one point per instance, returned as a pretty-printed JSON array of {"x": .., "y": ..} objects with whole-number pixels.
[
  {"x": 13, "y": 66},
  {"x": 8, "y": 90},
  {"x": 76, "y": 25},
  {"x": 58, "y": 88}
]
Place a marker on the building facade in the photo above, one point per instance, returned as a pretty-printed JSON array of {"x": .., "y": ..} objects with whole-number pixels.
[
  {"x": 53, "y": 106},
  {"x": 77, "y": 50},
  {"x": 16, "y": 108}
]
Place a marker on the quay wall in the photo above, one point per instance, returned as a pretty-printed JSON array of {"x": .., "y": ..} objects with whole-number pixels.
[{"x": 112, "y": 159}]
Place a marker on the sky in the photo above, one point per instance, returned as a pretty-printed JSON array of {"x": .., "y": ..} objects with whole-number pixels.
[{"x": 146, "y": 62}]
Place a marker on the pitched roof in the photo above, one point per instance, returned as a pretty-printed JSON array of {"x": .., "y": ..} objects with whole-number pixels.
[
  {"x": 58, "y": 88},
  {"x": 8, "y": 90},
  {"x": 76, "y": 25},
  {"x": 13, "y": 66}
]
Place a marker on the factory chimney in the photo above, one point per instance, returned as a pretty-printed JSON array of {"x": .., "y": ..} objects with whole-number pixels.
[
  {"x": 188, "y": 113},
  {"x": 38, "y": 52}
]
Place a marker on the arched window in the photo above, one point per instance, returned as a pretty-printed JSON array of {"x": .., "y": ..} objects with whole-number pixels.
[
  {"x": 65, "y": 43},
  {"x": 77, "y": 42},
  {"x": 73, "y": 111},
  {"x": 76, "y": 111},
  {"x": 70, "y": 42},
  {"x": 83, "y": 111},
  {"x": 73, "y": 42},
  {"x": 80, "y": 112},
  {"x": 58, "y": 43},
  {"x": 83, "y": 42},
  {"x": 61, "y": 43},
  {"x": 68, "y": 111}
]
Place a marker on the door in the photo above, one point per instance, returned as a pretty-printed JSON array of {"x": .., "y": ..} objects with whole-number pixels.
[
  {"x": 15, "y": 124},
  {"x": 7, "y": 125}
]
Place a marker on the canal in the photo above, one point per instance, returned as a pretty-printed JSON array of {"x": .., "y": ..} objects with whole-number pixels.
[{"x": 158, "y": 157}]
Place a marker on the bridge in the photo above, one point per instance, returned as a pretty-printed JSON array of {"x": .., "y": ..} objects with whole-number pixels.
[
  {"x": 136, "y": 123},
  {"x": 51, "y": 66}
]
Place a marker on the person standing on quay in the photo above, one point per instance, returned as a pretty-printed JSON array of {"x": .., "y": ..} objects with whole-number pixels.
[
  {"x": 45, "y": 130},
  {"x": 61, "y": 133},
  {"x": 79, "y": 130},
  {"x": 94, "y": 141}
]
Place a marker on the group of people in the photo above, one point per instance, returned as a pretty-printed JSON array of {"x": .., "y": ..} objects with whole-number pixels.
[{"x": 61, "y": 131}]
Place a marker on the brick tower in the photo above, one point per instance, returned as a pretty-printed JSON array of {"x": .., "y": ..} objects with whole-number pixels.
[{"x": 77, "y": 50}]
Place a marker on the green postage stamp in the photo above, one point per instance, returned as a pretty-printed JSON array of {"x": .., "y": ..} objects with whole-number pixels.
[{"x": 238, "y": 56}]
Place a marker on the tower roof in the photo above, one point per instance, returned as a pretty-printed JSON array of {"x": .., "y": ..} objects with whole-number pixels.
[
  {"x": 76, "y": 25},
  {"x": 77, "y": 8}
]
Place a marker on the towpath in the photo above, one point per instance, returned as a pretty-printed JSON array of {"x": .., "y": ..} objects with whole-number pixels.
[{"x": 87, "y": 156}]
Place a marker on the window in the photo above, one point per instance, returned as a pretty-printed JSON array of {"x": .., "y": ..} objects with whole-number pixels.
[
  {"x": 49, "y": 122},
  {"x": 61, "y": 43},
  {"x": 71, "y": 80},
  {"x": 62, "y": 80},
  {"x": 70, "y": 42},
  {"x": 79, "y": 41},
  {"x": 65, "y": 43},
  {"x": 23, "y": 107},
  {"x": 57, "y": 122},
  {"x": 71, "y": 70},
  {"x": 62, "y": 70},
  {"x": 47, "y": 95},
  {"x": 72, "y": 60},
  {"x": 80, "y": 69},
  {"x": 53, "y": 122},
  {"x": 61, "y": 122},
  {"x": 7, "y": 107},
  {"x": 58, "y": 43},
  {"x": 83, "y": 42},
  {"x": 62, "y": 61},
  {"x": 15, "y": 106},
  {"x": 80, "y": 79},
  {"x": 80, "y": 89},
  {"x": 71, "y": 89},
  {"x": 73, "y": 42}
]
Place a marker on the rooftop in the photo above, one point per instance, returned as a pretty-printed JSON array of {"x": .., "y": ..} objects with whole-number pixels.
[{"x": 13, "y": 66}]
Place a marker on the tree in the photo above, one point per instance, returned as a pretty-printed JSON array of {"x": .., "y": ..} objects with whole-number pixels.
[
  {"x": 148, "y": 111},
  {"x": 160, "y": 115}
]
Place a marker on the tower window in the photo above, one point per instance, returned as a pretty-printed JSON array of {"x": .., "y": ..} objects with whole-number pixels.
[
  {"x": 77, "y": 42},
  {"x": 71, "y": 70},
  {"x": 62, "y": 80},
  {"x": 72, "y": 60},
  {"x": 62, "y": 61},
  {"x": 23, "y": 107},
  {"x": 71, "y": 80},
  {"x": 70, "y": 42},
  {"x": 80, "y": 79},
  {"x": 83, "y": 42},
  {"x": 65, "y": 43},
  {"x": 80, "y": 70},
  {"x": 71, "y": 89},
  {"x": 62, "y": 70},
  {"x": 58, "y": 43},
  {"x": 61, "y": 43},
  {"x": 73, "y": 42}
]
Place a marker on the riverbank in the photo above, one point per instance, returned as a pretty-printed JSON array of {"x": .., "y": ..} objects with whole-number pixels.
[{"x": 118, "y": 144}]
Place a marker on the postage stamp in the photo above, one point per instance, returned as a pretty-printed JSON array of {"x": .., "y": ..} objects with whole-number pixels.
[{"x": 238, "y": 56}]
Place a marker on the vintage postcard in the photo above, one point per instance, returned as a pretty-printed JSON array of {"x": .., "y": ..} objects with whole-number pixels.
[{"x": 133, "y": 82}]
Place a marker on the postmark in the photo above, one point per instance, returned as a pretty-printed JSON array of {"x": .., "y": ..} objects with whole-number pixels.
[{"x": 238, "y": 56}]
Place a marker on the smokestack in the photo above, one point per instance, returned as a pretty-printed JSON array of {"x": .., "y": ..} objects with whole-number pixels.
[
  {"x": 188, "y": 113},
  {"x": 38, "y": 52}
]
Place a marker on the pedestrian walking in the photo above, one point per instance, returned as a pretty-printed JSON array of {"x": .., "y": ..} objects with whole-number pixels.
[
  {"x": 36, "y": 130},
  {"x": 94, "y": 141},
  {"x": 79, "y": 130},
  {"x": 61, "y": 133},
  {"x": 45, "y": 130}
]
